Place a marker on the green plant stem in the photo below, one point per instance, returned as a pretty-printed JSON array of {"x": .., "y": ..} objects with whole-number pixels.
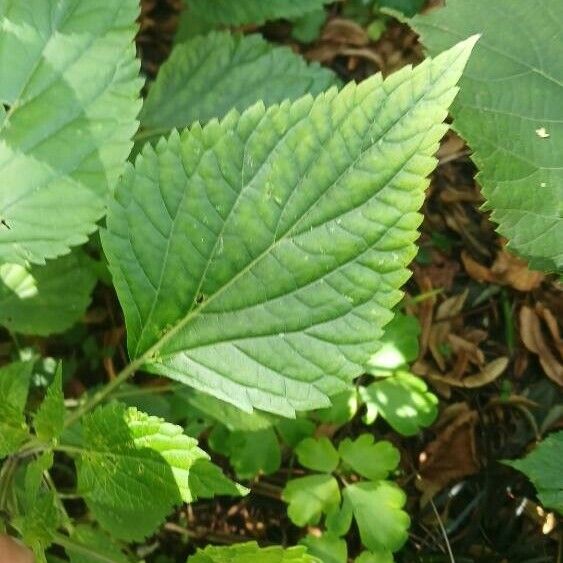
[{"x": 99, "y": 396}]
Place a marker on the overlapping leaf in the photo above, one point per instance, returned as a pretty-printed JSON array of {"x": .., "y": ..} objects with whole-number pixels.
[
  {"x": 251, "y": 553},
  {"x": 509, "y": 111},
  {"x": 201, "y": 16},
  {"x": 70, "y": 84},
  {"x": 134, "y": 469},
  {"x": 14, "y": 383},
  {"x": 208, "y": 76},
  {"x": 258, "y": 258},
  {"x": 42, "y": 300}
]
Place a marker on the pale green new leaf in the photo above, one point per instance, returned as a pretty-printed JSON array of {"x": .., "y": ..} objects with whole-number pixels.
[
  {"x": 378, "y": 510},
  {"x": 543, "y": 467},
  {"x": 14, "y": 386},
  {"x": 309, "y": 497},
  {"x": 251, "y": 553},
  {"x": 201, "y": 16},
  {"x": 318, "y": 454},
  {"x": 509, "y": 111},
  {"x": 134, "y": 469},
  {"x": 403, "y": 400},
  {"x": 258, "y": 258},
  {"x": 42, "y": 300},
  {"x": 373, "y": 460},
  {"x": 70, "y": 82},
  {"x": 50, "y": 417},
  {"x": 208, "y": 76}
]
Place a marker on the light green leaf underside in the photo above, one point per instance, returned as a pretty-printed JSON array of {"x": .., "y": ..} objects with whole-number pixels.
[
  {"x": 328, "y": 548},
  {"x": 43, "y": 300},
  {"x": 14, "y": 384},
  {"x": 70, "y": 81},
  {"x": 257, "y": 259},
  {"x": 251, "y": 553},
  {"x": 134, "y": 469},
  {"x": 201, "y": 16},
  {"x": 543, "y": 467},
  {"x": 512, "y": 88},
  {"x": 208, "y": 76}
]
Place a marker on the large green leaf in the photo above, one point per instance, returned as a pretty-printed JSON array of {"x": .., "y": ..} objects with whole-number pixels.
[
  {"x": 70, "y": 83},
  {"x": 509, "y": 110},
  {"x": 201, "y": 16},
  {"x": 14, "y": 385},
  {"x": 45, "y": 299},
  {"x": 208, "y": 76},
  {"x": 258, "y": 258},
  {"x": 134, "y": 469},
  {"x": 251, "y": 553},
  {"x": 543, "y": 468}
]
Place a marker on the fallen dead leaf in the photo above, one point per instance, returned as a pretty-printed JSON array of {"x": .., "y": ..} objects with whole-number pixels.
[
  {"x": 451, "y": 456},
  {"x": 533, "y": 338},
  {"x": 486, "y": 375},
  {"x": 507, "y": 269}
]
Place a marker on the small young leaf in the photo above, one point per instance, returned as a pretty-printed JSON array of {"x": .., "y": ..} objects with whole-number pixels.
[
  {"x": 338, "y": 521},
  {"x": 317, "y": 454},
  {"x": 258, "y": 258},
  {"x": 311, "y": 496},
  {"x": 369, "y": 459},
  {"x": 70, "y": 79},
  {"x": 208, "y": 76},
  {"x": 251, "y": 553},
  {"x": 43, "y": 300},
  {"x": 49, "y": 419},
  {"x": 517, "y": 141},
  {"x": 399, "y": 345},
  {"x": 201, "y": 16},
  {"x": 250, "y": 453},
  {"x": 328, "y": 548},
  {"x": 403, "y": 400},
  {"x": 14, "y": 386},
  {"x": 543, "y": 467},
  {"x": 377, "y": 508},
  {"x": 383, "y": 556},
  {"x": 134, "y": 469}
]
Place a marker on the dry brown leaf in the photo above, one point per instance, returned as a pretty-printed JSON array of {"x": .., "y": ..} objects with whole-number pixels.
[
  {"x": 486, "y": 375},
  {"x": 345, "y": 32},
  {"x": 507, "y": 269},
  {"x": 533, "y": 339},
  {"x": 451, "y": 456}
]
